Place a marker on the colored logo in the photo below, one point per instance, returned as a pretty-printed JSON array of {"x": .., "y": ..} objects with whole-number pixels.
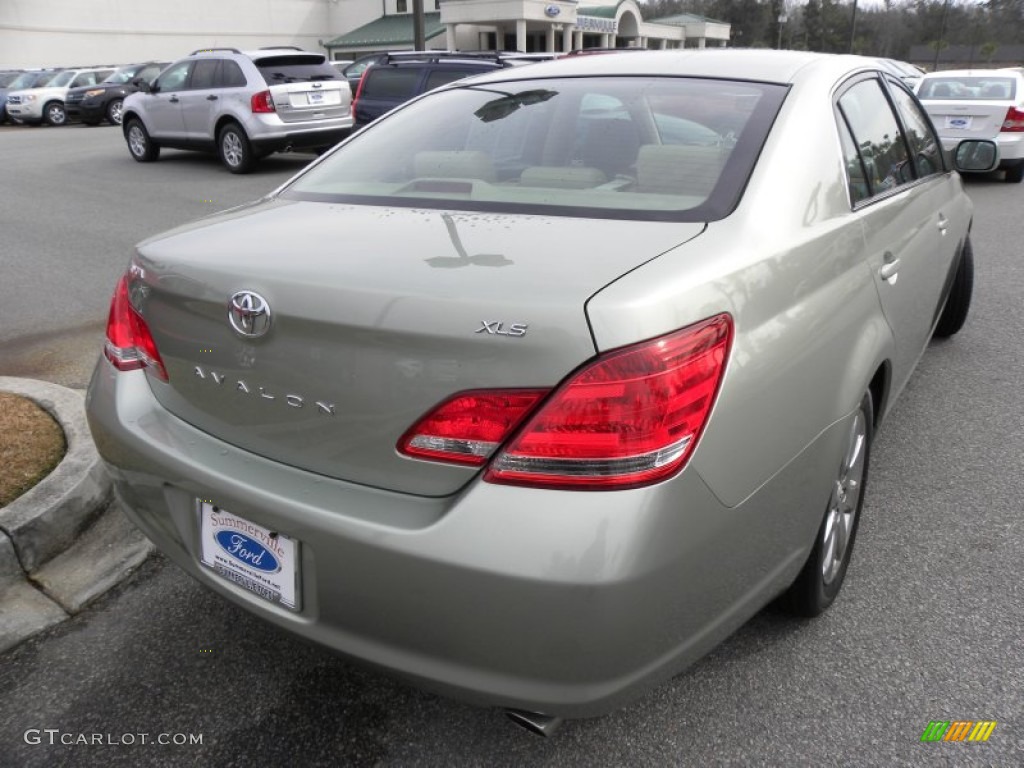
[
  {"x": 958, "y": 730},
  {"x": 551, "y": 11},
  {"x": 248, "y": 551}
]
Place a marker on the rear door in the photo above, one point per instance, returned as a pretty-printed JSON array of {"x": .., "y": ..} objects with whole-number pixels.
[{"x": 905, "y": 197}]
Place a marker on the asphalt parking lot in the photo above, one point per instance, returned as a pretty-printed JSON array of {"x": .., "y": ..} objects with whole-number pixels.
[{"x": 927, "y": 628}]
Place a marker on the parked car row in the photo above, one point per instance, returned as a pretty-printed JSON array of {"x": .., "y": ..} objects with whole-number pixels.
[{"x": 59, "y": 96}]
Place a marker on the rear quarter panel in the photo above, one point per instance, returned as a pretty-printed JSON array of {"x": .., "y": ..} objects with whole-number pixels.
[{"x": 789, "y": 266}]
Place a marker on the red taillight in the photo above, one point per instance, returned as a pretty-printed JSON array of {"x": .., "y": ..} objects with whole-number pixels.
[
  {"x": 468, "y": 427},
  {"x": 1014, "y": 120},
  {"x": 130, "y": 345},
  {"x": 359, "y": 90},
  {"x": 630, "y": 418},
  {"x": 262, "y": 102}
]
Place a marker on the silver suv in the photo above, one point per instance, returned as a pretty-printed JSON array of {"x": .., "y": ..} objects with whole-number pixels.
[{"x": 241, "y": 105}]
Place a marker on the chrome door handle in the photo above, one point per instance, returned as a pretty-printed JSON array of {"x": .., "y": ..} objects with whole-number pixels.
[
  {"x": 889, "y": 270},
  {"x": 942, "y": 224}
]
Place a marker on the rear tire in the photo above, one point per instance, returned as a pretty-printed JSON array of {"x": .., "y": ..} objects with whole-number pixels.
[
  {"x": 234, "y": 149},
  {"x": 822, "y": 576},
  {"x": 1015, "y": 174},
  {"x": 958, "y": 304},
  {"x": 142, "y": 148}
]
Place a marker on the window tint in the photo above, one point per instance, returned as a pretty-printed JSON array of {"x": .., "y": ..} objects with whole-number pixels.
[
  {"x": 440, "y": 77},
  {"x": 230, "y": 75},
  {"x": 573, "y": 146},
  {"x": 295, "y": 69},
  {"x": 856, "y": 175},
  {"x": 954, "y": 88},
  {"x": 877, "y": 135},
  {"x": 204, "y": 75},
  {"x": 391, "y": 83},
  {"x": 174, "y": 78},
  {"x": 924, "y": 144}
]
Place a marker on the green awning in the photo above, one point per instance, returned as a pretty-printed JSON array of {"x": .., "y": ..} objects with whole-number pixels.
[{"x": 388, "y": 32}]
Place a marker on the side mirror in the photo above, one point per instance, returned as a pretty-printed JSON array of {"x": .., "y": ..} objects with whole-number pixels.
[
  {"x": 976, "y": 156},
  {"x": 143, "y": 86}
]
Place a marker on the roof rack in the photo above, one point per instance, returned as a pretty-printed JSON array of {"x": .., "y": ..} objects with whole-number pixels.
[
  {"x": 211, "y": 50},
  {"x": 439, "y": 55},
  {"x": 281, "y": 48}
]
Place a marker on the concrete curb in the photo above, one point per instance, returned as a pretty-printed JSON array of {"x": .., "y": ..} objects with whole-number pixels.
[{"x": 65, "y": 542}]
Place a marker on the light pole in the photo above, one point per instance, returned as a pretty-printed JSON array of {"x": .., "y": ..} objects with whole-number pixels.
[
  {"x": 782, "y": 20},
  {"x": 853, "y": 25}
]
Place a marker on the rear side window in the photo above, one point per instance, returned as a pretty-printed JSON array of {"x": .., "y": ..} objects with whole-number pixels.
[
  {"x": 391, "y": 83},
  {"x": 877, "y": 135},
  {"x": 295, "y": 69}
]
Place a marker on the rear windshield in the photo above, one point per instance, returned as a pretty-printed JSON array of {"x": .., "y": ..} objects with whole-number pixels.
[
  {"x": 969, "y": 88},
  {"x": 625, "y": 147},
  {"x": 296, "y": 69}
]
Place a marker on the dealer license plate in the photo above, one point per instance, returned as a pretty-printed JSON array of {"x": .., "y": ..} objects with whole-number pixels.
[
  {"x": 249, "y": 555},
  {"x": 958, "y": 122},
  {"x": 315, "y": 97}
]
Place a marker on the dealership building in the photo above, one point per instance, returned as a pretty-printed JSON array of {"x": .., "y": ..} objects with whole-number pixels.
[{"x": 45, "y": 33}]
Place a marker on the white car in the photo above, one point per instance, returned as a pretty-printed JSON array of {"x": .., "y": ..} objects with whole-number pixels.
[
  {"x": 979, "y": 104},
  {"x": 46, "y": 104}
]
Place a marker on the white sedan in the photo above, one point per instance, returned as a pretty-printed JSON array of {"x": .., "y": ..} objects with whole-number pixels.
[{"x": 979, "y": 104}]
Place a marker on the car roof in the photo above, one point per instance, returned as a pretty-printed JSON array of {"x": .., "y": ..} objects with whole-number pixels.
[{"x": 768, "y": 66}]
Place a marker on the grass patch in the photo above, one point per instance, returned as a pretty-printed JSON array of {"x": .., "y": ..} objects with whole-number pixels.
[{"x": 31, "y": 445}]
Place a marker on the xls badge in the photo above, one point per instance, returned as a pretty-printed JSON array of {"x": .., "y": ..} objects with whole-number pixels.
[{"x": 497, "y": 328}]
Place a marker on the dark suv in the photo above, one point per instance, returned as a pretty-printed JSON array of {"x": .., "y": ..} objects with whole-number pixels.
[
  {"x": 398, "y": 77},
  {"x": 103, "y": 101}
]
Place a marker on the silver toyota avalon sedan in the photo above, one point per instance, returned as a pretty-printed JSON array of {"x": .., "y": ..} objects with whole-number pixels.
[{"x": 538, "y": 388}]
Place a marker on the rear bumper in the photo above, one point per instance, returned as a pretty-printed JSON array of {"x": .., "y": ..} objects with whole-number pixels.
[
  {"x": 564, "y": 603},
  {"x": 270, "y": 134}
]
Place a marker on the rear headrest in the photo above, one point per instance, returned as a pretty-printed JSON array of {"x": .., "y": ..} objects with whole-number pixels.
[{"x": 678, "y": 169}]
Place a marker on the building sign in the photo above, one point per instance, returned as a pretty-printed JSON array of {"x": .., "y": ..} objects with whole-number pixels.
[
  {"x": 552, "y": 11},
  {"x": 596, "y": 24}
]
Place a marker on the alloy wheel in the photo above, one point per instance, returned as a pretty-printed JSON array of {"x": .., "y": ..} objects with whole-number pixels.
[{"x": 845, "y": 501}]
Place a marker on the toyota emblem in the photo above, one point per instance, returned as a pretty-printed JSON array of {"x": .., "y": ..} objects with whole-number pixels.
[{"x": 249, "y": 314}]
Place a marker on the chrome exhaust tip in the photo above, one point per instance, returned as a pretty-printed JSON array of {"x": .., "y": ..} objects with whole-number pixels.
[{"x": 534, "y": 722}]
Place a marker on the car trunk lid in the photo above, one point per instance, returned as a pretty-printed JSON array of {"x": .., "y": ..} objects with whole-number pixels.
[{"x": 376, "y": 316}]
